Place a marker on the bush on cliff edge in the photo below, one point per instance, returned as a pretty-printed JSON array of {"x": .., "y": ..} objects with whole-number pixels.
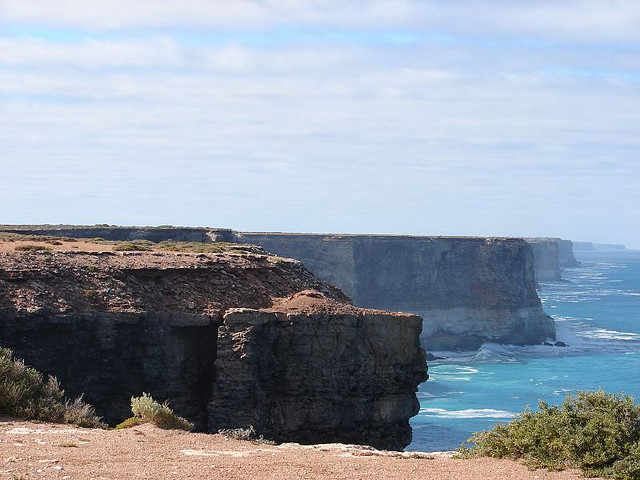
[
  {"x": 24, "y": 393},
  {"x": 146, "y": 409},
  {"x": 595, "y": 431}
]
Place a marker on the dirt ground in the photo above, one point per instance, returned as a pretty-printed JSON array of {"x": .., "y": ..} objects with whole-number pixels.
[{"x": 31, "y": 450}]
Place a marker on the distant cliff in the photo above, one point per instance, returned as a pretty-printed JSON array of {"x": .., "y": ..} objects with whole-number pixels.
[
  {"x": 231, "y": 340},
  {"x": 468, "y": 290},
  {"x": 589, "y": 246},
  {"x": 551, "y": 256},
  {"x": 118, "y": 233}
]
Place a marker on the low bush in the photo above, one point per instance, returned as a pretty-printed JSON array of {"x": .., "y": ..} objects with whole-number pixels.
[
  {"x": 26, "y": 394},
  {"x": 129, "y": 422},
  {"x": 148, "y": 410},
  {"x": 594, "y": 431},
  {"x": 246, "y": 434},
  {"x": 214, "y": 247},
  {"x": 33, "y": 248},
  {"x": 131, "y": 247}
]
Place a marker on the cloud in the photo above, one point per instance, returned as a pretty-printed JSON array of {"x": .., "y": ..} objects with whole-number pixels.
[
  {"x": 469, "y": 126},
  {"x": 91, "y": 53},
  {"x": 568, "y": 20}
]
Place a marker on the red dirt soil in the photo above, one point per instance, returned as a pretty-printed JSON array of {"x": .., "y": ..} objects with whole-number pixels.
[{"x": 30, "y": 450}]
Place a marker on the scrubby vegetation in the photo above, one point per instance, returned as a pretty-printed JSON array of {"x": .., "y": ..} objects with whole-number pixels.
[
  {"x": 199, "y": 247},
  {"x": 131, "y": 247},
  {"x": 146, "y": 409},
  {"x": 129, "y": 422},
  {"x": 26, "y": 394},
  {"x": 33, "y": 248},
  {"x": 247, "y": 434},
  {"x": 595, "y": 431}
]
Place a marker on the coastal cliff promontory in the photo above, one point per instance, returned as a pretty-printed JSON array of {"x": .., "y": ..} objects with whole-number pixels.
[
  {"x": 468, "y": 290},
  {"x": 231, "y": 339},
  {"x": 551, "y": 256}
]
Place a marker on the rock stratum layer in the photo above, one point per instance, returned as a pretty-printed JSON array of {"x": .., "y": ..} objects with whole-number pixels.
[
  {"x": 468, "y": 290},
  {"x": 231, "y": 340}
]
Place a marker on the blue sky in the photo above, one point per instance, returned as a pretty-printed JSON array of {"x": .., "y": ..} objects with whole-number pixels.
[{"x": 410, "y": 117}]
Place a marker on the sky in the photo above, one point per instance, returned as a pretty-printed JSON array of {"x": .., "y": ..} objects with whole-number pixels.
[{"x": 423, "y": 117}]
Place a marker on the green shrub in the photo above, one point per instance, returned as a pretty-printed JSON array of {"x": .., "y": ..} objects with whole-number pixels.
[
  {"x": 148, "y": 410},
  {"x": 33, "y": 248},
  {"x": 595, "y": 431},
  {"x": 129, "y": 422},
  {"x": 131, "y": 247},
  {"x": 247, "y": 434},
  {"x": 24, "y": 393},
  {"x": 200, "y": 247}
]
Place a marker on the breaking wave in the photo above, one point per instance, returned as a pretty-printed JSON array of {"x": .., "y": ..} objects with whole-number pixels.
[{"x": 467, "y": 413}]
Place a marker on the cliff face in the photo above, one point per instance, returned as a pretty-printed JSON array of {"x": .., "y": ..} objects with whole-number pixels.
[
  {"x": 546, "y": 259},
  {"x": 566, "y": 259},
  {"x": 361, "y": 385},
  {"x": 114, "y": 325},
  {"x": 468, "y": 290},
  {"x": 551, "y": 255}
]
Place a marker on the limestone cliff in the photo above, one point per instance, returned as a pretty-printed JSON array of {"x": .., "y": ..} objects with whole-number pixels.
[
  {"x": 566, "y": 258},
  {"x": 551, "y": 256},
  {"x": 114, "y": 325},
  {"x": 546, "y": 259},
  {"x": 468, "y": 290},
  {"x": 361, "y": 392}
]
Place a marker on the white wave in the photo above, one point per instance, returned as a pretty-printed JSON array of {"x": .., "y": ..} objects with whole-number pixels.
[
  {"x": 493, "y": 352},
  {"x": 604, "y": 334},
  {"x": 467, "y": 413}
]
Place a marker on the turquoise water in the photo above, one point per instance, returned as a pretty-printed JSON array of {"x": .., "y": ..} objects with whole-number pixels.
[{"x": 597, "y": 312}]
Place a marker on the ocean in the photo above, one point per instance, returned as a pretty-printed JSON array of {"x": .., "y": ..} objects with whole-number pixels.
[{"x": 597, "y": 313}]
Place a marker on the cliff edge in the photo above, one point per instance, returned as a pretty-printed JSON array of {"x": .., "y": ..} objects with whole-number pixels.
[{"x": 230, "y": 339}]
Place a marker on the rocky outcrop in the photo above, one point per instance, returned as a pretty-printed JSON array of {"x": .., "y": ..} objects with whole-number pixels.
[
  {"x": 468, "y": 290},
  {"x": 315, "y": 375},
  {"x": 228, "y": 339}
]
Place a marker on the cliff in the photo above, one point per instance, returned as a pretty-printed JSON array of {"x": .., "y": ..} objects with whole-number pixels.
[
  {"x": 362, "y": 389},
  {"x": 590, "y": 246},
  {"x": 551, "y": 256},
  {"x": 118, "y": 233},
  {"x": 468, "y": 290},
  {"x": 214, "y": 333}
]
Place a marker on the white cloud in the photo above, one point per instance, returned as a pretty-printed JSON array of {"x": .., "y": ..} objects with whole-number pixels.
[
  {"x": 574, "y": 20},
  {"x": 324, "y": 134}
]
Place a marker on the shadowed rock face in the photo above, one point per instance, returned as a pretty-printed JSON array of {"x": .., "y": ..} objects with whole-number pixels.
[
  {"x": 468, "y": 290},
  {"x": 298, "y": 367},
  {"x": 110, "y": 357},
  {"x": 304, "y": 377}
]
